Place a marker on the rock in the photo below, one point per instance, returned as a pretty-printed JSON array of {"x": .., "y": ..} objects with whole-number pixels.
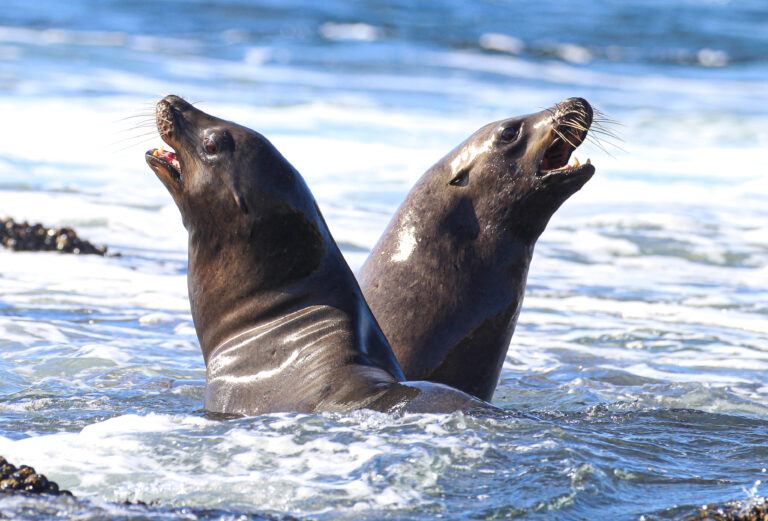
[
  {"x": 754, "y": 509},
  {"x": 25, "y": 480},
  {"x": 36, "y": 237}
]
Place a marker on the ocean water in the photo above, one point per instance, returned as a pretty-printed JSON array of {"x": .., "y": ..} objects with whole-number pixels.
[{"x": 641, "y": 353}]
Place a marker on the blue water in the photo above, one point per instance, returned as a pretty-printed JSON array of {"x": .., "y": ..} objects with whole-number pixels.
[{"x": 641, "y": 351}]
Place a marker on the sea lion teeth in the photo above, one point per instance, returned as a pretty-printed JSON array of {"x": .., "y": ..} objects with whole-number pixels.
[
  {"x": 575, "y": 162},
  {"x": 589, "y": 161}
]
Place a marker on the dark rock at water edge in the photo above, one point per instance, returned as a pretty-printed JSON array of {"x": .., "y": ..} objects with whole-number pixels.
[
  {"x": 36, "y": 237},
  {"x": 24, "y": 479},
  {"x": 755, "y": 509}
]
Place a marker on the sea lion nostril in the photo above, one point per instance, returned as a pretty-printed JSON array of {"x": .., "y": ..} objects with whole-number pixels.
[
  {"x": 576, "y": 108},
  {"x": 164, "y": 118}
]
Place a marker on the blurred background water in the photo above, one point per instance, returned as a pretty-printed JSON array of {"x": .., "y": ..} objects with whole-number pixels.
[{"x": 642, "y": 347}]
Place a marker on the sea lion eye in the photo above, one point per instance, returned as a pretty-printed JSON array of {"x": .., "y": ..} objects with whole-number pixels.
[
  {"x": 510, "y": 133},
  {"x": 210, "y": 145},
  {"x": 460, "y": 179}
]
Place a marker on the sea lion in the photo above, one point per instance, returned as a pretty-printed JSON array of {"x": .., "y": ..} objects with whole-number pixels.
[
  {"x": 281, "y": 320},
  {"x": 446, "y": 279}
]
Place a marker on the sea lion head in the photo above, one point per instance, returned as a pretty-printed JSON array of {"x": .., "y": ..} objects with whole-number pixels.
[
  {"x": 514, "y": 173},
  {"x": 240, "y": 199},
  {"x": 220, "y": 165}
]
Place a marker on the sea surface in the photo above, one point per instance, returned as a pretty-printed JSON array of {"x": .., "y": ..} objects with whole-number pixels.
[{"x": 640, "y": 357}]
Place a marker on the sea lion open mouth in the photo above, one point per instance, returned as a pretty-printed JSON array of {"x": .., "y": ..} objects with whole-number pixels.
[
  {"x": 165, "y": 163},
  {"x": 571, "y": 122},
  {"x": 166, "y": 159}
]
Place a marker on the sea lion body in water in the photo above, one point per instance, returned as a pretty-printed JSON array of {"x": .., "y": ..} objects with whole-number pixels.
[
  {"x": 281, "y": 320},
  {"x": 446, "y": 280}
]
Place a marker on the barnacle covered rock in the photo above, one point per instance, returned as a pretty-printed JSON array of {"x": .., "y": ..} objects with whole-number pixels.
[
  {"x": 36, "y": 237},
  {"x": 755, "y": 509},
  {"x": 24, "y": 479}
]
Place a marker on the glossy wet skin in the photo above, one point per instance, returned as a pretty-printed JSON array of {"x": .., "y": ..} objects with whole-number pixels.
[
  {"x": 281, "y": 321},
  {"x": 447, "y": 278}
]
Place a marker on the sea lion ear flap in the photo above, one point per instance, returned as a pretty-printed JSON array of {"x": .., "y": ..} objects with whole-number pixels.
[
  {"x": 461, "y": 178},
  {"x": 240, "y": 200}
]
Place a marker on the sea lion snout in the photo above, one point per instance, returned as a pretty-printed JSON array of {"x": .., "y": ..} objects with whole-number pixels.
[
  {"x": 166, "y": 164},
  {"x": 574, "y": 119},
  {"x": 172, "y": 111},
  {"x": 565, "y": 126},
  {"x": 164, "y": 118},
  {"x": 575, "y": 105}
]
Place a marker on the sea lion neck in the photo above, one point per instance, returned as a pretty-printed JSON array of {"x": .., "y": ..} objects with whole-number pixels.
[{"x": 239, "y": 278}]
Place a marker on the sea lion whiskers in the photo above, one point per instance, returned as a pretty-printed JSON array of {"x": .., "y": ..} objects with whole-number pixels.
[
  {"x": 131, "y": 141},
  {"x": 562, "y": 136},
  {"x": 578, "y": 123},
  {"x": 598, "y": 129},
  {"x": 601, "y": 128},
  {"x": 146, "y": 120},
  {"x": 129, "y": 136},
  {"x": 559, "y": 118},
  {"x": 600, "y": 116},
  {"x": 145, "y": 117}
]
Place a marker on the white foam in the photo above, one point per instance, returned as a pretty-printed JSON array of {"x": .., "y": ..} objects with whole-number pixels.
[
  {"x": 300, "y": 464},
  {"x": 501, "y": 42},
  {"x": 357, "y": 31}
]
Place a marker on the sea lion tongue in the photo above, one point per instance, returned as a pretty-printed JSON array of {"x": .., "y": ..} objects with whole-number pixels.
[{"x": 168, "y": 156}]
